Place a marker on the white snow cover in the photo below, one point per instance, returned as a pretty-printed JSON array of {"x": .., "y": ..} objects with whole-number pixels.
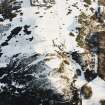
[
  {"x": 53, "y": 24},
  {"x": 98, "y": 92}
]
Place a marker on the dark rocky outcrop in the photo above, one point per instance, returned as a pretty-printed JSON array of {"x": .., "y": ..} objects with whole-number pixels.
[
  {"x": 77, "y": 57},
  {"x": 101, "y": 55},
  {"x": 93, "y": 42},
  {"x": 90, "y": 75}
]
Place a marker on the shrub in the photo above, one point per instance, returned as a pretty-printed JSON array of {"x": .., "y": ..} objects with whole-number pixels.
[
  {"x": 88, "y": 1},
  {"x": 86, "y": 91},
  {"x": 102, "y": 102}
]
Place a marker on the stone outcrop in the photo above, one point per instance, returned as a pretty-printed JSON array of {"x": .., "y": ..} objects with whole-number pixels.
[{"x": 101, "y": 55}]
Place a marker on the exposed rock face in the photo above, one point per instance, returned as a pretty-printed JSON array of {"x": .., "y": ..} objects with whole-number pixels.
[
  {"x": 93, "y": 42},
  {"x": 102, "y": 2},
  {"x": 96, "y": 43},
  {"x": 101, "y": 55}
]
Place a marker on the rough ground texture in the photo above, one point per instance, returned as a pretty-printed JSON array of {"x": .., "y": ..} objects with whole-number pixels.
[{"x": 52, "y": 52}]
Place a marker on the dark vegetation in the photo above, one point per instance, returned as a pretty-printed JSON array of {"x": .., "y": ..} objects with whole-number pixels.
[
  {"x": 13, "y": 33},
  {"x": 101, "y": 55},
  {"x": 93, "y": 42},
  {"x": 26, "y": 91},
  {"x": 77, "y": 57},
  {"x": 81, "y": 30},
  {"x": 75, "y": 100},
  {"x": 78, "y": 71},
  {"x": 86, "y": 91},
  {"x": 71, "y": 34},
  {"x": 7, "y": 7},
  {"x": 101, "y": 2},
  {"x": 30, "y": 39},
  {"x": 26, "y": 31},
  {"x": 1, "y": 54},
  {"x": 102, "y": 102},
  {"x": 88, "y": 1},
  {"x": 31, "y": 97},
  {"x": 47, "y": 4},
  {"x": 1, "y": 19},
  {"x": 4, "y": 43},
  {"x": 79, "y": 40},
  {"x": 90, "y": 75}
]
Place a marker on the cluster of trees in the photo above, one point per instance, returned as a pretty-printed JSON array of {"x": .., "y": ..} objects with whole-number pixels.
[{"x": 6, "y": 8}]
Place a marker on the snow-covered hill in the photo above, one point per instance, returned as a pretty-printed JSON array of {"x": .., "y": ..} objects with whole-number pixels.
[{"x": 40, "y": 58}]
